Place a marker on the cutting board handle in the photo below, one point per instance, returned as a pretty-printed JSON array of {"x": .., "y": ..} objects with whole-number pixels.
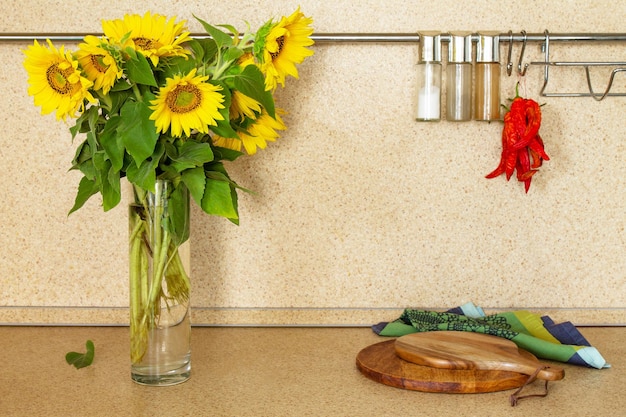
[{"x": 551, "y": 373}]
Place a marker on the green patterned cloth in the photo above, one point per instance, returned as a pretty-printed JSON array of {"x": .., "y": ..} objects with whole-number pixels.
[{"x": 536, "y": 334}]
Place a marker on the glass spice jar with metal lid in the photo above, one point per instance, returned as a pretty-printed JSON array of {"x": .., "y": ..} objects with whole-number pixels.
[
  {"x": 429, "y": 77},
  {"x": 459, "y": 77},
  {"x": 487, "y": 77}
]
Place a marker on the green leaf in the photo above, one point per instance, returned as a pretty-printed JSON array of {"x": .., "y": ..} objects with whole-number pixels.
[
  {"x": 232, "y": 54},
  {"x": 177, "y": 66},
  {"x": 137, "y": 131},
  {"x": 220, "y": 199},
  {"x": 88, "y": 169},
  {"x": 108, "y": 180},
  {"x": 221, "y": 38},
  {"x": 178, "y": 206},
  {"x": 112, "y": 142},
  {"x": 139, "y": 70},
  {"x": 93, "y": 117},
  {"x": 113, "y": 190},
  {"x": 226, "y": 154},
  {"x": 86, "y": 188},
  {"x": 118, "y": 99},
  {"x": 92, "y": 140},
  {"x": 210, "y": 49},
  {"x": 223, "y": 176},
  {"x": 196, "y": 49},
  {"x": 233, "y": 30},
  {"x": 144, "y": 175},
  {"x": 82, "y": 155},
  {"x": 81, "y": 360},
  {"x": 81, "y": 124},
  {"x": 252, "y": 83},
  {"x": 223, "y": 127},
  {"x": 121, "y": 85},
  {"x": 204, "y": 50},
  {"x": 195, "y": 181},
  {"x": 191, "y": 155}
]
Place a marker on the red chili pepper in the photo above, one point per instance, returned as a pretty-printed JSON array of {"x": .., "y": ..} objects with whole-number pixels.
[
  {"x": 524, "y": 173},
  {"x": 537, "y": 158},
  {"x": 528, "y": 119},
  {"x": 509, "y": 138},
  {"x": 521, "y": 141},
  {"x": 536, "y": 145}
]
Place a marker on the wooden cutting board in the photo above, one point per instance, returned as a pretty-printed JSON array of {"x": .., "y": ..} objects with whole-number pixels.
[
  {"x": 380, "y": 363},
  {"x": 467, "y": 350}
]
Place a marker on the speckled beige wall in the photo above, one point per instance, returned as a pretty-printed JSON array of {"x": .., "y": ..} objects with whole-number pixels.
[{"x": 359, "y": 210}]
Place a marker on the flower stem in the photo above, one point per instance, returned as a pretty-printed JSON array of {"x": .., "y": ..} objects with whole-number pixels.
[
  {"x": 136, "y": 258},
  {"x": 157, "y": 274},
  {"x": 137, "y": 93}
]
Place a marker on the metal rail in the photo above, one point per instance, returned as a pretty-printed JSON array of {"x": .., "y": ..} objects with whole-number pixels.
[{"x": 353, "y": 37}]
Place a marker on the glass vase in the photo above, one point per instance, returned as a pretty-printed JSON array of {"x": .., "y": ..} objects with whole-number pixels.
[{"x": 160, "y": 328}]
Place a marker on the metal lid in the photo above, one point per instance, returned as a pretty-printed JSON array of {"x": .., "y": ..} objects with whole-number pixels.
[
  {"x": 460, "y": 47},
  {"x": 488, "y": 47},
  {"x": 430, "y": 46}
]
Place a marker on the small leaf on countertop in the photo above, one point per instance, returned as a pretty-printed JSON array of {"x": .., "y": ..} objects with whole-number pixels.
[{"x": 81, "y": 360}]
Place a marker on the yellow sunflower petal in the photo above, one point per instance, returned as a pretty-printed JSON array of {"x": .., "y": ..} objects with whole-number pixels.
[
  {"x": 228, "y": 143},
  {"x": 243, "y": 106},
  {"x": 262, "y": 130}
]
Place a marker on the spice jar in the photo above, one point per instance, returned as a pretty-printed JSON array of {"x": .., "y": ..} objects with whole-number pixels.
[
  {"x": 459, "y": 77},
  {"x": 429, "y": 77},
  {"x": 487, "y": 79}
]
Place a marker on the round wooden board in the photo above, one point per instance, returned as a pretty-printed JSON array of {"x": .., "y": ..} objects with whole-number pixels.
[{"x": 380, "y": 363}]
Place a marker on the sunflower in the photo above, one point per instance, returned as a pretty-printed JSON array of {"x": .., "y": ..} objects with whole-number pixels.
[
  {"x": 257, "y": 134},
  {"x": 285, "y": 45},
  {"x": 55, "y": 80},
  {"x": 152, "y": 35},
  {"x": 186, "y": 103},
  {"x": 98, "y": 64}
]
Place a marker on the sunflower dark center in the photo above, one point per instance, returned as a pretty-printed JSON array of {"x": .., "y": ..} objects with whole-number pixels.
[
  {"x": 145, "y": 44},
  {"x": 98, "y": 63},
  {"x": 184, "y": 98},
  {"x": 281, "y": 42},
  {"x": 58, "y": 79}
]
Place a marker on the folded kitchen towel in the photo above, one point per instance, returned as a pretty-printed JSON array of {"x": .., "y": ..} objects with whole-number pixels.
[{"x": 538, "y": 335}]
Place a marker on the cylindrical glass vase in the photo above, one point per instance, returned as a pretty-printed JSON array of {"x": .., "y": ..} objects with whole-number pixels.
[{"x": 160, "y": 328}]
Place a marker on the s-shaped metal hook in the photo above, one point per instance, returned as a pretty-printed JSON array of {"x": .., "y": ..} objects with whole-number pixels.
[
  {"x": 509, "y": 63},
  {"x": 521, "y": 56}
]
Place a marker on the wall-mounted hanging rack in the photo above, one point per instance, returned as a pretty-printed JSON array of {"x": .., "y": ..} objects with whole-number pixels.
[{"x": 509, "y": 37}]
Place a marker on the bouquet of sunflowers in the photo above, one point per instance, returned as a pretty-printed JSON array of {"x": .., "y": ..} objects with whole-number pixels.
[{"x": 153, "y": 103}]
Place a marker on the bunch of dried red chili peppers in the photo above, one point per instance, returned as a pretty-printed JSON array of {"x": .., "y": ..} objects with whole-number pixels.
[{"x": 522, "y": 147}]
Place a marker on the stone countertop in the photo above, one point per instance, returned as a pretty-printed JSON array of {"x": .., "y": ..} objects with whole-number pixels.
[{"x": 268, "y": 372}]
